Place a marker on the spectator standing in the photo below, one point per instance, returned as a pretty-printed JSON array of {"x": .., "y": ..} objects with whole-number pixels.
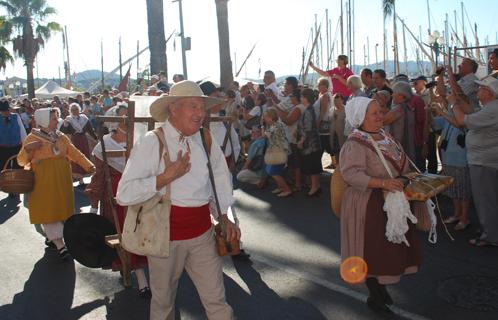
[
  {"x": 482, "y": 154},
  {"x": 339, "y": 76},
  {"x": 368, "y": 83},
  {"x": 454, "y": 159},
  {"x": 308, "y": 142},
  {"x": 415, "y": 134}
]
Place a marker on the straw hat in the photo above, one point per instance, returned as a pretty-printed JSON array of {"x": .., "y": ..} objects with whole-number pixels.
[{"x": 159, "y": 109}]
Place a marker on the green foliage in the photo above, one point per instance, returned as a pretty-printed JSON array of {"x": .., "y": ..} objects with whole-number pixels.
[
  {"x": 388, "y": 7},
  {"x": 26, "y": 26}
]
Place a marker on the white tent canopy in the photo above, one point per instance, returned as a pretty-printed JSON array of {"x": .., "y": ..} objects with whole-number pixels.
[{"x": 51, "y": 89}]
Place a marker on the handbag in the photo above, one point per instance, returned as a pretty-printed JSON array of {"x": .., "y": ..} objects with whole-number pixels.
[
  {"x": 223, "y": 246},
  {"x": 146, "y": 227},
  {"x": 337, "y": 188},
  {"x": 324, "y": 127},
  {"x": 275, "y": 156}
]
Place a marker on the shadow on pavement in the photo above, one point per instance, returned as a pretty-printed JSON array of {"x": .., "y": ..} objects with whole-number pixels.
[
  {"x": 8, "y": 208},
  {"x": 48, "y": 293},
  {"x": 263, "y": 302}
]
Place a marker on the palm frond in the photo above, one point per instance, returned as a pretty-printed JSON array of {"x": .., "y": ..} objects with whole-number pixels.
[
  {"x": 43, "y": 31},
  {"x": 5, "y": 29},
  {"x": 18, "y": 46},
  {"x": 12, "y": 10},
  {"x": 388, "y": 7},
  {"x": 5, "y": 57},
  {"x": 54, "y": 26},
  {"x": 37, "y": 5},
  {"x": 19, "y": 22}
]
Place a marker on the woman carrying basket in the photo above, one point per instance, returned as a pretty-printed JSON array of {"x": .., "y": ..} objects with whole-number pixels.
[
  {"x": 48, "y": 152},
  {"x": 363, "y": 219}
]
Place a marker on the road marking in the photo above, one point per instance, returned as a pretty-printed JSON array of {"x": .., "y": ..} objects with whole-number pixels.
[{"x": 332, "y": 286}]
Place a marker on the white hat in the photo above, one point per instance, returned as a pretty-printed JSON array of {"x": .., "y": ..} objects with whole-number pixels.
[
  {"x": 42, "y": 117},
  {"x": 356, "y": 108},
  {"x": 159, "y": 109},
  {"x": 490, "y": 83}
]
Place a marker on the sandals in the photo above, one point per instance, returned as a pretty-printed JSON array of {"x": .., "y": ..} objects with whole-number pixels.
[
  {"x": 451, "y": 219},
  {"x": 275, "y": 191},
  {"x": 284, "y": 194},
  {"x": 482, "y": 243},
  {"x": 461, "y": 225}
]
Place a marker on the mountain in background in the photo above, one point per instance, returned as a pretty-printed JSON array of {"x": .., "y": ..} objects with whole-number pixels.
[{"x": 81, "y": 81}]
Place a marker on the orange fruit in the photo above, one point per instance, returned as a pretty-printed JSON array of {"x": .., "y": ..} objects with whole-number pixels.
[{"x": 354, "y": 270}]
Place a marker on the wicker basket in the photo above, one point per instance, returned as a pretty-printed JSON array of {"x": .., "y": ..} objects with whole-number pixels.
[
  {"x": 337, "y": 187},
  {"x": 16, "y": 181}
]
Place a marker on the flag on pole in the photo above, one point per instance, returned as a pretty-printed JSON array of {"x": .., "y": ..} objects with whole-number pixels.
[{"x": 123, "y": 85}]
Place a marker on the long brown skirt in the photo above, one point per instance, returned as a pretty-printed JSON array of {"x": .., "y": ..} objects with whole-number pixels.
[
  {"x": 80, "y": 141},
  {"x": 383, "y": 257}
]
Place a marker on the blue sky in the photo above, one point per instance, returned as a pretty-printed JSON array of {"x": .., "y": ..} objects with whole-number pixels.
[{"x": 280, "y": 27}]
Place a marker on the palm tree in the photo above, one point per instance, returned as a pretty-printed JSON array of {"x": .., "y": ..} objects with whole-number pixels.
[
  {"x": 157, "y": 39},
  {"x": 389, "y": 8},
  {"x": 27, "y": 20},
  {"x": 5, "y": 31},
  {"x": 226, "y": 75}
]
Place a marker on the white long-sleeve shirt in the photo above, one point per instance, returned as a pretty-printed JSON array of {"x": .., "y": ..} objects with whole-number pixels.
[
  {"x": 218, "y": 131},
  {"x": 138, "y": 183}
]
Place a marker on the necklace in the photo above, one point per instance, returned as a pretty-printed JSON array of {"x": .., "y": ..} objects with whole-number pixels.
[
  {"x": 371, "y": 132},
  {"x": 122, "y": 131}
]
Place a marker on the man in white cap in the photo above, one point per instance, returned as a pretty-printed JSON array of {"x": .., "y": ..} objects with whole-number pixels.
[
  {"x": 482, "y": 155},
  {"x": 192, "y": 245}
]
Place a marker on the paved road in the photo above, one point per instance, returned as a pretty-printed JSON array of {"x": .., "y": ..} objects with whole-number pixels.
[{"x": 294, "y": 244}]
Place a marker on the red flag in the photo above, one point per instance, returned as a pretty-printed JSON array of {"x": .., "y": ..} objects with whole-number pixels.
[{"x": 123, "y": 85}]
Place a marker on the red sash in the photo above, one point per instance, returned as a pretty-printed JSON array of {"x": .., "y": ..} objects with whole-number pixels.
[{"x": 189, "y": 222}]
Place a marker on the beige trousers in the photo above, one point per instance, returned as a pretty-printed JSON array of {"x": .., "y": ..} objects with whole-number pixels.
[{"x": 198, "y": 256}]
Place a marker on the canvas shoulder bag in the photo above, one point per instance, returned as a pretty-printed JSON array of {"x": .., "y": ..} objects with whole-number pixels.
[{"x": 146, "y": 229}]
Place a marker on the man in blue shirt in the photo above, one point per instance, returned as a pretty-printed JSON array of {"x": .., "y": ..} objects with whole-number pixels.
[
  {"x": 12, "y": 134},
  {"x": 253, "y": 171}
]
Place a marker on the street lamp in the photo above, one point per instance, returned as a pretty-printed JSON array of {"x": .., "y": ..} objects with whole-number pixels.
[
  {"x": 436, "y": 42},
  {"x": 376, "y": 60}
]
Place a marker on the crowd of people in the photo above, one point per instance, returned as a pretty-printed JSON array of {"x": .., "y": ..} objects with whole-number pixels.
[{"x": 369, "y": 127}]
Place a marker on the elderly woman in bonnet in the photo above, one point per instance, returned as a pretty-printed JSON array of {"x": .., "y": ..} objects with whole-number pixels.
[
  {"x": 415, "y": 131},
  {"x": 78, "y": 125},
  {"x": 363, "y": 220},
  {"x": 48, "y": 152}
]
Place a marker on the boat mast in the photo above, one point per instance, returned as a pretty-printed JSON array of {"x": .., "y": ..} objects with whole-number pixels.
[
  {"x": 404, "y": 48},
  {"x": 102, "y": 62},
  {"x": 342, "y": 29},
  {"x": 395, "y": 32},
  {"x": 68, "y": 84},
  {"x": 328, "y": 40},
  {"x": 120, "y": 62}
]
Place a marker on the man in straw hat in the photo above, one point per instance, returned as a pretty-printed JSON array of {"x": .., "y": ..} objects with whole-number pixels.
[{"x": 192, "y": 245}]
